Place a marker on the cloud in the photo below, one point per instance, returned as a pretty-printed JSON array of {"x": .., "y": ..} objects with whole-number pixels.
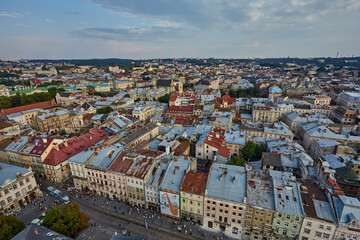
[
  {"x": 132, "y": 34},
  {"x": 256, "y": 44},
  {"x": 22, "y": 26},
  {"x": 7, "y": 14},
  {"x": 14, "y": 48},
  {"x": 235, "y": 14}
]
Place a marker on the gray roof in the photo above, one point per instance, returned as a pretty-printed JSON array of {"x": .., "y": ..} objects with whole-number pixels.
[
  {"x": 227, "y": 182},
  {"x": 43, "y": 234},
  {"x": 10, "y": 172},
  {"x": 81, "y": 157},
  {"x": 259, "y": 190},
  {"x": 347, "y": 208},
  {"x": 103, "y": 159},
  {"x": 324, "y": 210},
  {"x": 175, "y": 174},
  {"x": 16, "y": 146},
  {"x": 286, "y": 193}
]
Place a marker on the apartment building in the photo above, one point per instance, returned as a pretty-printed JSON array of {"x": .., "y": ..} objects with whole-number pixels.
[
  {"x": 18, "y": 188},
  {"x": 117, "y": 174},
  {"x": 260, "y": 205},
  {"x": 170, "y": 204},
  {"x": 153, "y": 183},
  {"x": 96, "y": 170},
  {"x": 52, "y": 121},
  {"x": 265, "y": 113},
  {"x": 225, "y": 200},
  {"x": 289, "y": 212},
  {"x": 344, "y": 115},
  {"x": 348, "y": 216},
  {"x": 78, "y": 171},
  {"x": 192, "y": 192},
  {"x": 320, "y": 220}
]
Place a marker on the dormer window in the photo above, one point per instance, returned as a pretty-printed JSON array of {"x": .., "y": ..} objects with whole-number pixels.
[{"x": 354, "y": 223}]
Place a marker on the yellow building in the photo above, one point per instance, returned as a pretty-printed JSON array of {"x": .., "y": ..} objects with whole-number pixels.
[{"x": 192, "y": 195}]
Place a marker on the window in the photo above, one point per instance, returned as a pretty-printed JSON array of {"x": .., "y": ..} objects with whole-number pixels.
[
  {"x": 235, "y": 230},
  {"x": 308, "y": 224},
  {"x": 17, "y": 194},
  {"x": 288, "y": 216},
  {"x": 286, "y": 224},
  {"x": 318, "y": 234},
  {"x": 6, "y": 191},
  {"x": 15, "y": 186},
  {"x": 295, "y": 226},
  {"x": 328, "y": 228},
  {"x": 29, "y": 187},
  {"x": 9, "y": 199},
  {"x": 279, "y": 214},
  {"x": 297, "y": 219},
  {"x": 326, "y": 236},
  {"x": 278, "y": 222},
  {"x": 321, "y": 226},
  {"x": 307, "y": 231},
  {"x": 21, "y": 183}
]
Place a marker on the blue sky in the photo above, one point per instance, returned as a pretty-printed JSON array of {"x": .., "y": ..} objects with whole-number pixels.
[{"x": 178, "y": 28}]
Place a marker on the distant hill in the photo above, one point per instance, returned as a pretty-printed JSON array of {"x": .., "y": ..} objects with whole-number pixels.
[{"x": 338, "y": 62}]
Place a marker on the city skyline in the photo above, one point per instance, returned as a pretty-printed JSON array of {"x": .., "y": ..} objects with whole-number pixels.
[{"x": 161, "y": 29}]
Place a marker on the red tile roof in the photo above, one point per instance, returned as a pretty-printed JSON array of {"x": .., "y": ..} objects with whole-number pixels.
[
  {"x": 225, "y": 98},
  {"x": 180, "y": 109},
  {"x": 61, "y": 152},
  {"x": 140, "y": 167},
  {"x": 216, "y": 139},
  {"x": 28, "y": 107},
  {"x": 40, "y": 146},
  {"x": 121, "y": 164},
  {"x": 194, "y": 182}
]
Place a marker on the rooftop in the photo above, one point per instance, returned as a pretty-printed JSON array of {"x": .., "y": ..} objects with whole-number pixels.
[
  {"x": 259, "y": 190},
  {"x": 8, "y": 171},
  {"x": 175, "y": 174},
  {"x": 227, "y": 182},
  {"x": 286, "y": 193},
  {"x": 194, "y": 182},
  {"x": 105, "y": 156}
]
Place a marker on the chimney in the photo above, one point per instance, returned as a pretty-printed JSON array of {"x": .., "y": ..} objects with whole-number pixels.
[
  {"x": 44, "y": 140},
  {"x": 233, "y": 180},
  {"x": 221, "y": 176},
  {"x": 36, "y": 232}
]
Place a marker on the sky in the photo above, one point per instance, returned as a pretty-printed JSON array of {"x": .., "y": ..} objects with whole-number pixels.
[{"x": 34, "y": 29}]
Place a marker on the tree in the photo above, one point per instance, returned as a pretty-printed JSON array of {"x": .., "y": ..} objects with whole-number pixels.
[
  {"x": 10, "y": 226},
  {"x": 238, "y": 161},
  {"x": 103, "y": 110},
  {"x": 67, "y": 220},
  {"x": 164, "y": 99},
  {"x": 222, "y": 91},
  {"x": 252, "y": 151}
]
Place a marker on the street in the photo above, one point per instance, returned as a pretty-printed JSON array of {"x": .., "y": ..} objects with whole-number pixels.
[{"x": 109, "y": 217}]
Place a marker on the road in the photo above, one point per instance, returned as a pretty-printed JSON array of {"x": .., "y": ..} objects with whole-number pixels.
[{"x": 113, "y": 217}]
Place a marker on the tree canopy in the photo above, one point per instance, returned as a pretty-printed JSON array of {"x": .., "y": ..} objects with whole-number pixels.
[
  {"x": 103, "y": 110},
  {"x": 164, "y": 99},
  {"x": 252, "y": 151},
  {"x": 238, "y": 161},
  {"x": 67, "y": 220},
  {"x": 10, "y": 226},
  {"x": 250, "y": 92},
  {"x": 21, "y": 100}
]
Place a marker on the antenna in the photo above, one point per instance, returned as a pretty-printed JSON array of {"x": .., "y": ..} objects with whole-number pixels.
[{"x": 337, "y": 55}]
